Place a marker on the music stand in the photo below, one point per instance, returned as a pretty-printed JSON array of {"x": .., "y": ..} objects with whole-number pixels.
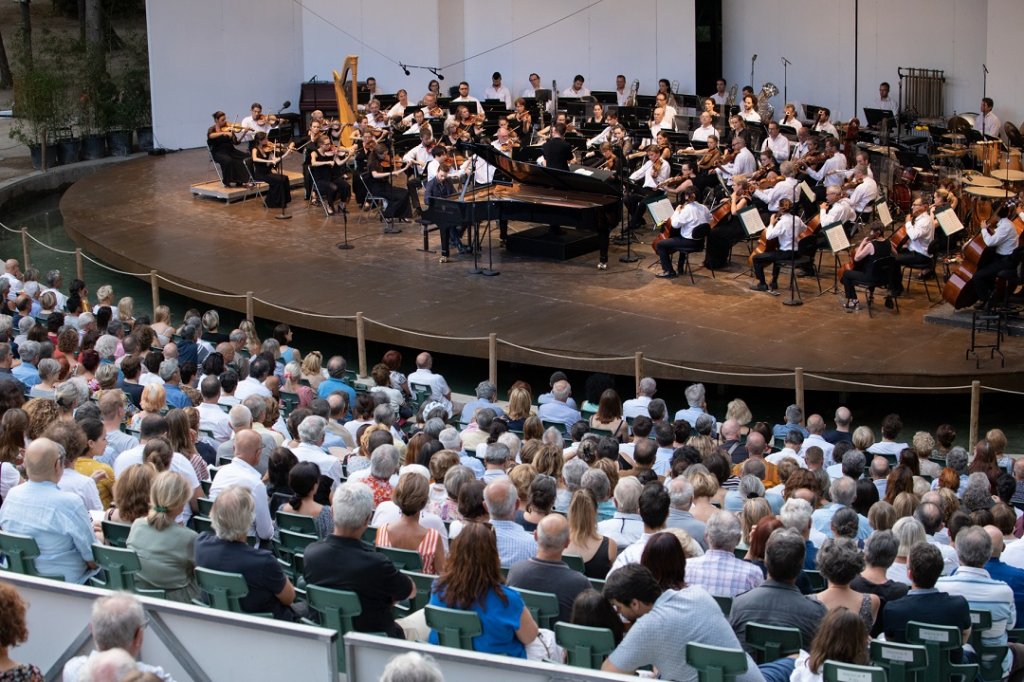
[
  {"x": 875, "y": 117},
  {"x": 837, "y": 243},
  {"x": 541, "y": 97}
]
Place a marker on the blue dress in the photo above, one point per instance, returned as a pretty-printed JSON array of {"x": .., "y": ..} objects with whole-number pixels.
[{"x": 499, "y": 621}]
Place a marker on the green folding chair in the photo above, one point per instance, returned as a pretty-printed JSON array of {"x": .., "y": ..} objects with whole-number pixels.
[
  {"x": 772, "y": 642},
  {"x": 116, "y": 534},
  {"x": 205, "y": 506},
  {"x": 990, "y": 658},
  {"x": 335, "y": 609},
  {"x": 902, "y": 662},
  {"x": 816, "y": 580},
  {"x": 205, "y": 485},
  {"x": 715, "y": 663},
  {"x": 833, "y": 671},
  {"x": 289, "y": 401},
  {"x": 454, "y": 628},
  {"x": 597, "y": 584},
  {"x": 574, "y": 561},
  {"x": 289, "y": 548},
  {"x": 119, "y": 568},
  {"x": 21, "y": 552},
  {"x": 939, "y": 641},
  {"x": 403, "y": 559},
  {"x": 585, "y": 647},
  {"x": 296, "y": 523},
  {"x": 543, "y": 606},
  {"x": 370, "y": 536},
  {"x": 202, "y": 524},
  {"x": 724, "y": 603},
  {"x": 424, "y": 584},
  {"x": 225, "y": 590}
]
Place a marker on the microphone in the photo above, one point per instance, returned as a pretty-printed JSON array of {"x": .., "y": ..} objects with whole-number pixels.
[
  {"x": 984, "y": 67},
  {"x": 440, "y": 76},
  {"x": 787, "y": 62},
  {"x": 404, "y": 68},
  {"x": 754, "y": 59}
]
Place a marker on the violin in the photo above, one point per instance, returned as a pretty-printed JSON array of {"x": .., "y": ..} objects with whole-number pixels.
[
  {"x": 711, "y": 159},
  {"x": 814, "y": 160}
]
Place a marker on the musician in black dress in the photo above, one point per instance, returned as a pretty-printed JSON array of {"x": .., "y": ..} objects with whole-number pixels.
[
  {"x": 221, "y": 138},
  {"x": 324, "y": 162},
  {"x": 869, "y": 251},
  {"x": 729, "y": 229},
  {"x": 265, "y": 164},
  {"x": 307, "y": 149},
  {"x": 382, "y": 172}
]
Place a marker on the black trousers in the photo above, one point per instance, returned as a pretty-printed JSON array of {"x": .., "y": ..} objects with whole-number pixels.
[
  {"x": 667, "y": 247},
  {"x": 851, "y": 278},
  {"x": 721, "y": 240},
  {"x": 776, "y": 258},
  {"x": 906, "y": 258},
  {"x": 985, "y": 278}
]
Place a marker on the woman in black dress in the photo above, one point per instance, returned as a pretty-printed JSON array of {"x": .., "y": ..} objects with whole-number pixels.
[
  {"x": 221, "y": 139},
  {"x": 324, "y": 161},
  {"x": 382, "y": 173},
  {"x": 264, "y": 162}
]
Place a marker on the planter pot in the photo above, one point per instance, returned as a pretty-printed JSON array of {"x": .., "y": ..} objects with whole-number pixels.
[
  {"x": 94, "y": 147},
  {"x": 37, "y": 156},
  {"x": 144, "y": 135},
  {"x": 120, "y": 142},
  {"x": 69, "y": 151}
]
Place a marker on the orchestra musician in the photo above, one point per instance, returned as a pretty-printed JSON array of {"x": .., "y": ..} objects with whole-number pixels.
[
  {"x": 864, "y": 192},
  {"x": 677, "y": 184},
  {"x": 382, "y": 173},
  {"x": 417, "y": 123},
  {"x": 742, "y": 161},
  {"x": 685, "y": 219},
  {"x": 729, "y": 230},
  {"x": 597, "y": 114},
  {"x": 431, "y": 108},
  {"x": 749, "y": 110},
  {"x": 710, "y": 108},
  {"x": 1000, "y": 238},
  {"x": 884, "y": 102},
  {"x": 400, "y": 106},
  {"x": 621, "y": 91},
  {"x": 988, "y": 123},
  {"x": 256, "y": 122},
  {"x": 668, "y": 121},
  {"x": 836, "y": 208},
  {"x": 803, "y": 145},
  {"x": 705, "y": 130},
  {"x": 221, "y": 138},
  {"x": 653, "y": 172},
  {"x": 375, "y": 117},
  {"x": 325, "y": 161},
  {"x": 869, "y": 251},
  {"x": 706, "y": 165},
  {"x": 665, "y": 89},
  {"x": 417, "y": 159},
  {"x": 364, "y": 149},
  {"x": 441, "y": 186},
  {"x": 498, "y": 91},
  {"x": 789, "y": 118},
  {"x": 657, "y": 122},
  {"x": 576, "y": 89},
  {"x": 522, "y": 121},
  {"x": 737, "y": 128},
  {"x": 465, "y": 98},
  {"x": 265, "y": 163},
  {"x": 611, "y": 121},
  {"x": 720, "y": 96},
  {"x": 776, "y": 142},
  {"x": 307, "y": 149},
  {"x": 609, "y": 159},
  {"x": 434, "y": 88},
  {"x": 920, "y": 228},
  {"x": 823, "y": 125},
  {"x": 534, "y": 86},
  {"x": 833, "y": 171},
  {"x": 784, "y": 227},
  {"x": 860, "y": 158},
  {"x": 784, "y": 189},
  {"x": 556, "y": 152}
]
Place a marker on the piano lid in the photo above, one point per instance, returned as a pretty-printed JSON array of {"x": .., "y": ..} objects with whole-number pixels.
[{"x": 539, "y": 176}]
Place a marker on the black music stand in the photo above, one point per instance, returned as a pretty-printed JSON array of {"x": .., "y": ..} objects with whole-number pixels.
[{"x": 620, "y": 163}]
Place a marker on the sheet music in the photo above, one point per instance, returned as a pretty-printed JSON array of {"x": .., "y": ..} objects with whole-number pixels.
[
  {"x": 661, "y": 211},
  {"x": 948, "y": 221},
  {"x": 882, "y": 209},
  {"x": 584, "y": 171},
  {"x": 751, "y": 220},
  {"x": 837, "y": 239},
  {"x": 808, "y": 192}
]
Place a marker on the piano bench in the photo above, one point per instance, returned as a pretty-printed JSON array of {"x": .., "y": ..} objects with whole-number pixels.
[{"x": 426, "y": 229}]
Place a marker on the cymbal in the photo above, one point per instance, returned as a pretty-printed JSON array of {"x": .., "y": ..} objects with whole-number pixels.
[
  {"x": 1009, "y": 175},
  {"x": 979, "y": 180},
  {"x": 954, "y": 136},
  {"x": 989, "y": 192}
]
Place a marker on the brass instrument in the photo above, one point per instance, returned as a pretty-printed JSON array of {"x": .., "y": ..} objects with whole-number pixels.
[
  {"x": 631, "y": 100},
  {"x": 731, "y": 99}
]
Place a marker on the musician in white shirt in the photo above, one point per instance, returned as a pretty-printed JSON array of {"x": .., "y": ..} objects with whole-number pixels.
[
  {"x": 860, "y": 159},
  {"x": 785, "y": 189},
  {"x": 685, "y": 219},
  {"x": 498, "y": 91},
  {"x": 823, "y": 125},
  {"x": 705, "y": 130},
  {"x": 776, "y": 142},
  {"x": 988, "y": 123},
  {"x": 720, "y": 96},
  {"x": 374, "y": 116},
  {"x": 833, "y": 171},
  {"x": 920, "y": 227},
  {"x": 534, "y": 86},
  {"x": 252, "y": 124},
  {"x": 621, "y": 91},
  {"x": 803, "y": 144},
  {"x": 1002, "y": 239},
  {"x": 669, "y": 120},
  {"x": 419, "y": 156},
  {"x": 657, "y": 124},
  {"x": 655, "y": 171},
  {"x": 743, "y": 163},
  {"x": 465, "y": 97},
  {"x": 399, "y": 108},
  {"x": 785, "y": 227},
  {"x": 865, "y": 194},
  {"x": 576, "y": 89},
  {"x": 790, "y": 119},
  {"x": 836, "y": 208},
  {"x": 884, "y": 102},
  {"x": 749, "y": 112}
]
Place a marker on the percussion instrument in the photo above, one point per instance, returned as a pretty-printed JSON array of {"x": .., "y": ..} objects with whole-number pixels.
[
  {"x": 946, "y": 152},
  {"x": 989, "y": 192},
  {"x": 955, "y": 138},
  {"x": 909, "y": 175},
  {"x": 1013, "y": 135},
  {"x": 978, "y": 180},
  {"x": 987, "y": 154},
  {"x": 980, "y": 201},
  {"x": 1008, "y": 174},
  {"x": 1010, "y": 160},
  {"x": 962, "y": 122}
]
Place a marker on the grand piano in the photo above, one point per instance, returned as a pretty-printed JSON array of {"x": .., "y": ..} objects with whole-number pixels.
[{"x": 542, "y": 195}]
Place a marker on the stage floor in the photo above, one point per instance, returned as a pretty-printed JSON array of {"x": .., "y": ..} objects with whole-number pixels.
[{"x": 140, "y": 216}]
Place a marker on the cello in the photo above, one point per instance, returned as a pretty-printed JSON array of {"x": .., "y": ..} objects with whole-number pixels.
[{"x": 959, "y": 288}]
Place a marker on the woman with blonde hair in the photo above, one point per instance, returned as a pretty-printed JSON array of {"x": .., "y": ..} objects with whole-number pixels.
[
  {"x": 104, "y": 299},
  {"x": 166, "y": 550},
  {"x": 162, "y": 325},
  {"x": 754, "y": 509},
  {"x": 312, "y": 369},
  {"x": 585, "y": 541},
  {"x": 411, "y": 496},
  {"x": 126, "y": 312},
  {"x": 519, "y": 408},
  {"x": 705, "y": 486},
  {"x": 252, "y": 339},
  {"x": 905, "y": 504},
  {"x": 153, "y": 402},
  {"x": 738, "y": 411},
  {"x": 182, "y": 438},
  {"x": 863, "y": 438}
]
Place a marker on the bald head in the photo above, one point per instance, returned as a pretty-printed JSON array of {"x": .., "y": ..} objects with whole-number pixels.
[
  {"x": 755, "y": 444},
  {"x": 41, "y": 460},
  {"x": 843, "y": 418},
  {"x": 552, "y": 536},
  {"x": 730, "y": 429},
  {"x": 815, "y": 424},
  {"x": 247, "y": 446},
  {"x": 997, "y": 540},
  {"x": 424, "y": 361}
]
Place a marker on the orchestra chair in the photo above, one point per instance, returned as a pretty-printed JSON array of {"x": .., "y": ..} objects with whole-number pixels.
[
  {"x": 909, "y": 269},
  {"x": 316, "y": 191},
  {"x": 700, "y": 234},
  {"x": 714, "y": 663},
  {"x": 882, "y": 279},
  {"x": 379, "y": 203}
]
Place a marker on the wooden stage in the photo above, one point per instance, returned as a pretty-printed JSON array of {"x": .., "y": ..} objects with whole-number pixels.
[{"x": 140, "y": 216}]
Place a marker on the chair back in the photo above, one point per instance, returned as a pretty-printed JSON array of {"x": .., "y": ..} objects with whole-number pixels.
[
  {"x": 700, "y": 233},
  {"x": 772, "y": 642},
  {"x": 454, "y": 628},
  {"x": 715, "y": 663},
  {"x": 939, "y": 641},
  {"x": 119, "y": 565},
  {"x": 403, "y": 559},
  {"x": 296, "y": 523},
  {"x": 424, "y": 583},
  {"x": 585, "y": 647},
  {"x": 116, "y": 534},
  {"x": 816, "y": 580},
  {"x": 990, "y": 658},
  {"x": 202, "y": 524},
  {"x": 21, "y": 552},
  {"x": 881, "y": 270},
  {"x": 336, "y": 610},
  {"x": 205, "y": 506},
  {"x": 574, "y": 561},
  {"x": 833, "y": 671},
  {"x": 902, "y": 662},
  {"x": 724, "y": 603},
  {"x": 543, "y": 606},
  {"x": 225, "y": 590}
]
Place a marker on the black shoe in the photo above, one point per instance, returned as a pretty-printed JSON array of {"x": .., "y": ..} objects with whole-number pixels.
[
  {"x": 666, "y": 274},
  {"x": 759, "y": 287},
  {"x": 774, "y": 286},
  {"x": 889, "y": 302}
]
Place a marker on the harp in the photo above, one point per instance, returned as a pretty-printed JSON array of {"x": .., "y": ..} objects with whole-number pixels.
[{"x": 347, "y": 103}]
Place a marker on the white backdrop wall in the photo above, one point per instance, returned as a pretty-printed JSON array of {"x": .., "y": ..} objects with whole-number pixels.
[
  {"x": 202, "y": 57},
  {"x": 1005, "y": 79},
  {"x": 819, "y": 38}
]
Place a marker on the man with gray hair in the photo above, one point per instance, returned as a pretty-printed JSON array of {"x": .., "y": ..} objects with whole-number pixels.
[
  {"x": 211, "y": 417},
  {"x": 54, "y": 281},
  {"x": 719, "y": 571},
  {"x": 680, "y": 494},
  {"x": 86, "y": 323},
  {"x": 816, "y": 431},
  {"x": 635, "y": 407},
  {"x": 485, "y": 394},
  {"x": 956, "y": 459},
  {"x": 26, "y": 372},
  {"x": 342, "y": 561},
  {"x": 843, "y": 492},
  {"x": 496, "y": 459},
  {"x": 118, "y": 621},
  {"x": 425, "y": 376},
  {"x": 972, "y": 582},
  {"x": 558, "y": 410},
  {"x": 310, "y": 448},
  {"x": 49, "y": 372},
  {"x": 451, "y": 440},
  {"x": 796, "y": 514},
  {"x": 572, "y": 474},
  {"x": 106, "y": 347},
  {"x": 777, "y": 601},
  {"x": 241, "y": 472},
  {"x": 412, "y": 667},
  {"x": 501, "y": 501},
  {"x": 385, "y": 461},
  {"x": 879, "y": 472},
  {"x": 172, "y": 384},
  {"x": 625, "y": 527},
  {"x": 226, "y": 549},
  {"x": 853, "y": 465},
  {"x": 696, "y": 406},
  {"x": 546, "y": 572},
  {"x": 794, "y": 415},
  {"x": 479, "y": 430}
]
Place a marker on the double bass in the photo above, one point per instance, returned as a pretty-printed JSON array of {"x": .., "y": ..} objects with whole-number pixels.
[{"x": 959, "y": 288}]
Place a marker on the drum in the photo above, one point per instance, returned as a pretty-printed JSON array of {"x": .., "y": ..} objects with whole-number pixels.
[
  {"x": 981, "y": 206},
  {"x": 978, "y": 180},
  {"x": 1009, "y": 175},
  {"x": 908, "y": 176},
  {"x": 1011, "y": 160},
  {"x": 986, "y": 154}
]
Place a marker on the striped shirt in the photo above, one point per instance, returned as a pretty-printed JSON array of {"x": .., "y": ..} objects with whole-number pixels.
[
  {"x": 985, "y": 594},
  {"x": 722, "y": 574}
]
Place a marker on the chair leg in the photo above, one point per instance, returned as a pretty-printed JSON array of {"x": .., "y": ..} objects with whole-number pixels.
[{"x": 686, "y": 266}]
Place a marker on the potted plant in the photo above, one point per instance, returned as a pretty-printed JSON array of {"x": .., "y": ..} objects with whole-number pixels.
[{"x": 37, "y": 92}]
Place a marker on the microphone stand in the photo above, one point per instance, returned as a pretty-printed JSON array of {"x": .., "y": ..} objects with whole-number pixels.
[
  {"x": 752, "y": 60},
  {"x": 475, "y": 270},
  {"x": 280, "y": 167},
  {"x": 794, "y": 288},
  {"x": 489, "y": 271},
  {"x": 785, "y": 79},
  {"x": 620, "y": 159},
  {"x": 984, "y": 89}
]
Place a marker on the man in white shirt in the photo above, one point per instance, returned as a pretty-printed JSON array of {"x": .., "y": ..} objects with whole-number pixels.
[
  {"x": 259, "y": 369},
  {"x": 823, "y": 125},
  {"x": 498, "y": 91},
  {"x": 865, "y": 194},
  {"x": 211, "y": 416},
  {"x": 685, "y": 219},
  {"x": 720, "y": 96},
  {"x": 743, "y": 162},
  {"x": 816, "y": 427},
  {"x": 54, "y": 281},
  {"x": 465, "y": 97},
  {"x": 252, "y": 124},
  {"x": 786, "y": 189},
  {"x": 668, "y": 121},
  {"x": 625, "y": 527},
  {"x": 920, "y": 228},
  {"x": 705, "y": 130},
  {"x": 832, "y": 172},
  {"x": 399, "y": 107},
  {"x": 12, "y": 273},
  {"x": 621, "y": 91},
  {"x": 241, "y": 471},
  {"x": 884, "y": 102},
  {"x": 635, "y": 407},
  {"x": 439, "y": 391},
  {"x": 789, "y": 118},
  {"x": 836, "y": 208},
  {"x": 576, "y": 89},
  {"x": 1002, "y": 239},
  {"x": 776, "y": 142},
  {"x": 310, "y": 448},
  {"x": 534, "y": 86},
  {"x": 803, "y": 145},
  {"x": 791, "y": 447},
  {"x": 988, "y": 123}
]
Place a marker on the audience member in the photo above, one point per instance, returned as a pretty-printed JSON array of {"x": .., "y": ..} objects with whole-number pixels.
[{"x": 546, "y": 572}]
